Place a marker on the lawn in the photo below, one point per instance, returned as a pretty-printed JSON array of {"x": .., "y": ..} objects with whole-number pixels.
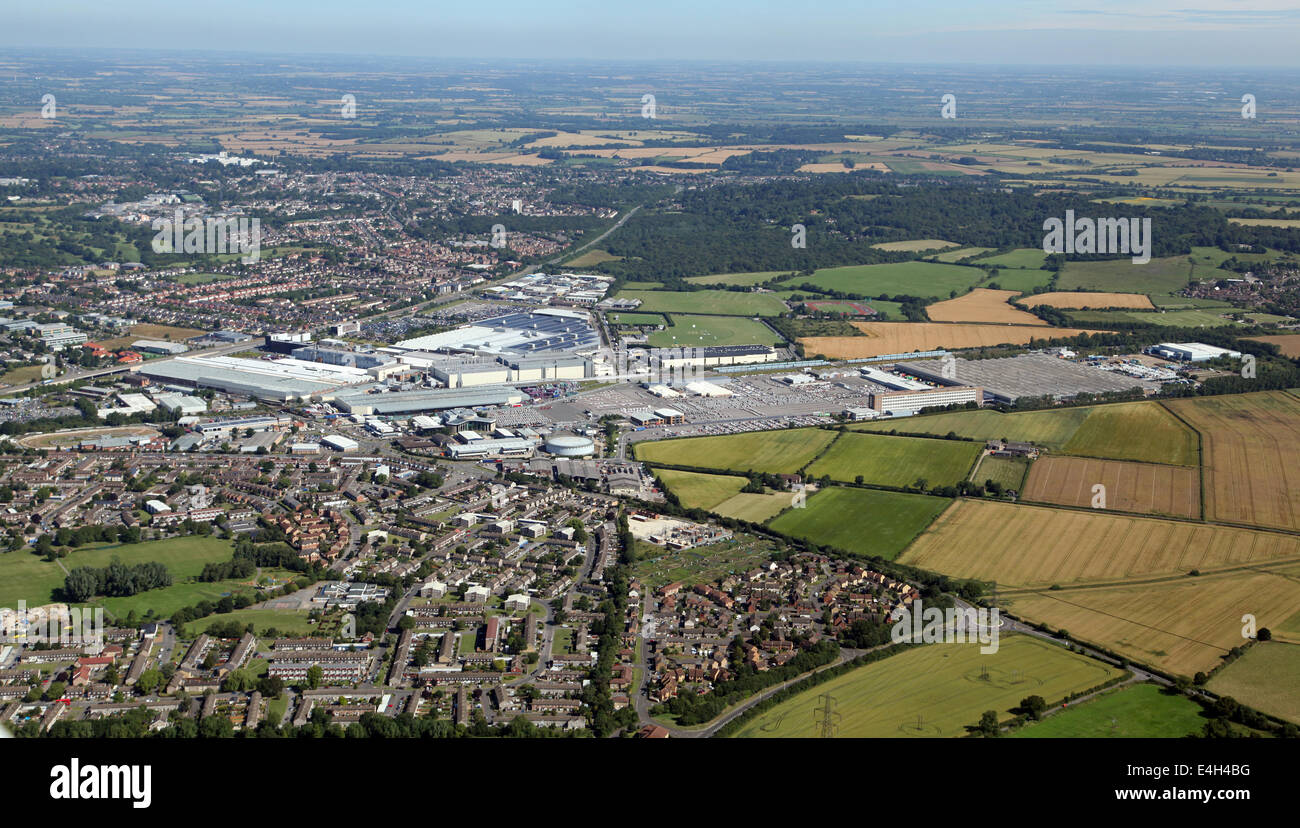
[
  {"x": 927, "y": 279},
  {"x": 782, "y": 451},
  {"x": 934, "y": 690},
  {"x": 717, "y": 302},
  {"x": 705, "y": 331},
  {"x": 862, "y": 521},
  {"x": 1265, "y": 678},
  {"x": 284, "y": 622},
  {"x": 1142, "y": 711},
  {"x": 635, "y": 318},
  {"x": 27, "y": 577},
  {"x": 896, "y": 461}
]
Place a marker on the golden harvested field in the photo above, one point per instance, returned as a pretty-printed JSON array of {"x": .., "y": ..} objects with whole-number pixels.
[
  {"x": 1288, "y": 344},
  {"x": 1251, "y": 451},
  {"x": 1130, "y": 487},
  {"x": 816, "y": 167},
  {"x": 1082, "y": 300},
  {"x": 903, "y": 337},
  {"x": 916, "y": 245},
  {"x": 1183, "y": 625},
  {"x": 982, "y": 305},
  {"x": 1031, "y": 546}
]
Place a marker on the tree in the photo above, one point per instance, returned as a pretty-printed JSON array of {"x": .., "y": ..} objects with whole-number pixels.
[
  {"x": 989, "y": 723},
  {"x": 1034, "y": 706},
  {"x": 314, "y": 675}
]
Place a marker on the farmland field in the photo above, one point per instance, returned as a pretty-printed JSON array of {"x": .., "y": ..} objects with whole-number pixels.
[
  {"x": 700, "y": 491},
  {"x": 911, "y": 278},
  {"x": 704, "y": 331},
  {"x": 1022, "y": 257},
  {"x": 1031, "y": 546},
  {"x": 1084, "y": 300},
  {"x": 982, "y": 305},
  {"x": 1167, "y": 275},
  {"x": 753, "y": 278},
  {"x": 636, "y": 318},
  {"x": 1142, "y": 431},
  {"x": 1141, "y": 711},
  {"x": 1022, "y": 281},
  {"x": 1146, "y": 488},
  {"x": 718, "y": 302},
  {"x": 1192, "y": 318},
  {"x": 1265, "y": 678},
  {"x": 896, "y": 461},
  {"x": 916, "y": 246},
  {"x": 958, "y": 255},
  {"x": 782, "y": 451},
  {"x": 754, "y": 507},
  {"x": 1007, "y": 471},
  {"x": 1288, "y": 344},
  {"x": 1154, "y": 622},
  {"x": 935, "y": 690},
  {"x": 880, "y": 338},
  {"x": 864, "y": 521},
  {"x": 1252, "y": 456}
]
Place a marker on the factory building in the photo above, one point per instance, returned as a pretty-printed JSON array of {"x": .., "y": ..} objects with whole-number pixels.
[
  {"x": 714, "y": 355},
  {"x": 399, "y": 403},
  {"x": 283, "y": 380},
  {"x": 1191, "y": 351},
  {"x": 158, "y": 346},
  {"x": 907, "y": 402},
  {"x": 350, "y": 359},
  {"x": 340, "y": 443}
]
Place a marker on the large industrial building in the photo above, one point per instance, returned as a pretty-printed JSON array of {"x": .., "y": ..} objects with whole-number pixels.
[
  {"x": 282, "y": 380},
  {"x": 1192, "y": 351},
  {"x": 713, "y": 355},
  {"x": 418, "y": 401},
  {"x": 904, "y": 396},
  {"x": 518, "y": 334}
]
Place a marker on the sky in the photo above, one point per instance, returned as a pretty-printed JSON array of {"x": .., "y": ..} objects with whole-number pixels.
[{"x": 1082, "y": 32}]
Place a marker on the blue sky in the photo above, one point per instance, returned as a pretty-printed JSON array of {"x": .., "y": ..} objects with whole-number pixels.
[{"x": 1099, "y": 32}]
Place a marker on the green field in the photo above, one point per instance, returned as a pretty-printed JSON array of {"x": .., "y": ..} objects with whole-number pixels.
[
  {"x": 926, "y": 279},
  {"x": 1022, "y": 257},
  {"x": 284, "y": 622},
  {"x": 754, "y": 507},
  {"x": 1008, "y": 471},
  {"x": 782, "y": 451},
  {"x": 754, "y": 278},
  {"x": 700, "y": 491},
  {"x": 635, "y": 318},
  {"x": 28, "y": 577},
  {"x": 896, "y": 461},
  {"x": 957, "y": 255},
  {"x": 166, "y": 601},
  {"x": 1167, "y": 275},
  {"x": 1142, "y": 711},
  {"x": 1172, "y": 318},
  {"x": 715, "y": 302},
  {"x": 703, "y": 331},
  {"x": 935, "y": 690},
  {"x": 1142, "y": 431},
  {"x": 1022, "y": 280},
  {"x": 1265, "y": 678},
  {"x": 863, "y": 521}
]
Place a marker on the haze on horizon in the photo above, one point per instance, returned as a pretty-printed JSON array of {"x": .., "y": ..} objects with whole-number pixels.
[{"x": 1223, "y": 33}]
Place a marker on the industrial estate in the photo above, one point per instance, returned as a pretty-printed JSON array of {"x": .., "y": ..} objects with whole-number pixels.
[{"x": 542, "y": 419}]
